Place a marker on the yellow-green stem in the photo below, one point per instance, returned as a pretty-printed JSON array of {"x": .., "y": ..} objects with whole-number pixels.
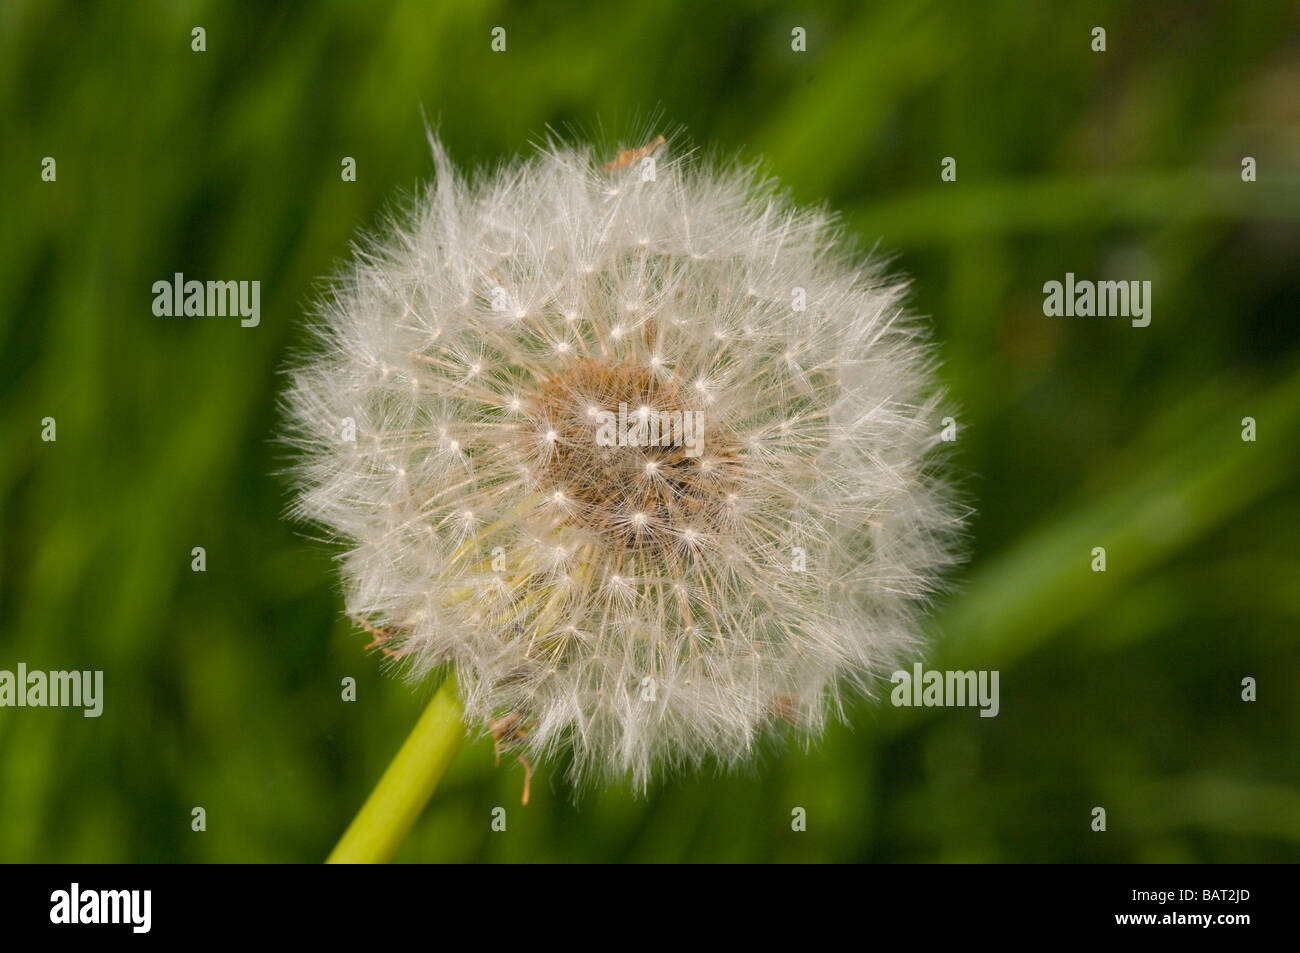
[{"x": 397, "y": 800}]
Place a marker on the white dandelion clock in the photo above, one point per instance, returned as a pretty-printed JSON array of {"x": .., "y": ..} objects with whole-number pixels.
[{"x": 646, "y": 453}]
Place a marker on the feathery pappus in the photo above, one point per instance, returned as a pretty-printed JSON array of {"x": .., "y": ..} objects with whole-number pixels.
[{"x": 645, "y": 451}]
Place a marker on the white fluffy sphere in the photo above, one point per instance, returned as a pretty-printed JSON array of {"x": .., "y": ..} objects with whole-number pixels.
[{"x": 756, "y": 533}]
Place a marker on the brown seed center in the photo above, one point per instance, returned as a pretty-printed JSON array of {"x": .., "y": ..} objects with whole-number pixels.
[{"x": 642, "y": 479}]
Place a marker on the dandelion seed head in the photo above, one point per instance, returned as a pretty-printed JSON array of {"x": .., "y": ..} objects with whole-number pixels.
[{"x": 488, "y": 525}]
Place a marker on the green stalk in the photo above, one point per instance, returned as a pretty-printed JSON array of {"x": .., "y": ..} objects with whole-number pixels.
[{"x": 397, "y": 800}]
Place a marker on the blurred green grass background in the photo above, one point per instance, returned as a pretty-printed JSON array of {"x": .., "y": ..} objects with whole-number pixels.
[{"x": 222, "y": 688}]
